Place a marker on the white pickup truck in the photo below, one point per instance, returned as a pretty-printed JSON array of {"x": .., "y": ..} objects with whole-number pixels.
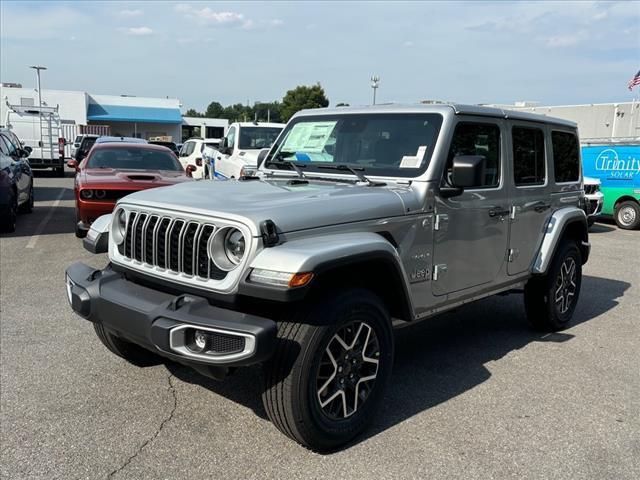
[{"x": 237, "y": 154}]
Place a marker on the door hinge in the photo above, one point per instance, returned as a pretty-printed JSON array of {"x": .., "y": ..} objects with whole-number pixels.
[
  {"x": 515, "y": 209},
  {"x": 512, "y": 254},
  {"x": 438, "y": 271},
  {"x": 441, "y": 222}
]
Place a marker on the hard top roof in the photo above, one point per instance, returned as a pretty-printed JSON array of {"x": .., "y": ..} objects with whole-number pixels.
[{"x": 442, "y": 108}]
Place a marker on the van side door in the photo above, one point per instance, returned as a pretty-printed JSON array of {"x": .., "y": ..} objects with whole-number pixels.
[
  {"x": 530, "y": 192},
  {"x": 470, "y": 231}
]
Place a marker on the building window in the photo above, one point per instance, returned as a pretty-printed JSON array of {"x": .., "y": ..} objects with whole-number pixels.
[
  {"x": 566, "y": 157},
  {"x": 528, "y": 156}
]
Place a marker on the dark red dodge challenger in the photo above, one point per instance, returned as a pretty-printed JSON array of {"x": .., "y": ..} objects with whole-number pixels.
[{"x": 113, "y": 170}]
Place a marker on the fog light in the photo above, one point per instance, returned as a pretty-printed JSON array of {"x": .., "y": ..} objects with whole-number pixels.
[{"x": 200, "y": 339}]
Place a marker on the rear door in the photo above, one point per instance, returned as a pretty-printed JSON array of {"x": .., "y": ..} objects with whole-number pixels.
[
  {"x": 470, "y": 238},
  {"x": 530, "y": 193}
]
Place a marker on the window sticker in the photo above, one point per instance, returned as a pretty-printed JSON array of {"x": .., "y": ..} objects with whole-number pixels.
[
  {"x": 414, "y": 161},
  {"x": 308, "y": 137}
]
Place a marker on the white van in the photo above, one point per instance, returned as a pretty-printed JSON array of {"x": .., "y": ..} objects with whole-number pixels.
[{"x": 40, "y": 129}]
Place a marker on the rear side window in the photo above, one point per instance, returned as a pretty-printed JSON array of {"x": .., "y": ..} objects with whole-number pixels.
[
  {"x": 478, "y": 139},
  {"x": 528, "y": 156},
  {"x": 566, "y": 157},
  {"x": 188, "y": 148}
]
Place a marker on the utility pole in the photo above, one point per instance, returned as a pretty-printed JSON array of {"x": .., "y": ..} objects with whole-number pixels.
[
  {"x": 37, "y": 68},
  {"x": 375, "y": 82}
]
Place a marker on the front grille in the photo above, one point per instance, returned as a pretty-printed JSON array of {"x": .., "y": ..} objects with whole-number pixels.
[{"x": 170, "y": 244}]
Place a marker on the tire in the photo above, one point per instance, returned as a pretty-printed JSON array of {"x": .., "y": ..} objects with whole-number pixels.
[
  {"x": 308, "y": 364},
  {"x": 627, "y": 215},
  {"x": 80, "y": 232},
  {"x": 207, "y": 175},
  {"x": 8, "y": 221},
  {"x": 130, "y": 352},
  {"x": 27, "y": 207},
  {"x": 550, "y": 300},
  {"x": 59, "y": 171}
]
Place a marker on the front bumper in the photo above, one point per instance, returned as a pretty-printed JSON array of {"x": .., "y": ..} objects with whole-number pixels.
[
  {"x": 89, "y": 210},
  {"x": 160, "y": 321},
  {"x": 594, "y": 203}
]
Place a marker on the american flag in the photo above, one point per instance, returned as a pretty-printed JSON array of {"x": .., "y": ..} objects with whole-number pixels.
[{"x": 634, "y": 81}]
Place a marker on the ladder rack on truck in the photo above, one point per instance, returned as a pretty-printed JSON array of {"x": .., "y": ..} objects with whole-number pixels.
[{"x": 41, "y": 129}]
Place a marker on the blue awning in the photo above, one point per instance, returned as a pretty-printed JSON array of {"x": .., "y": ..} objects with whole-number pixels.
[{"x": 120, "y": 113}]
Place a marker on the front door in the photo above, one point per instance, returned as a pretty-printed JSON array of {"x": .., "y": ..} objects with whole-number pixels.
[
  {"x": 470, "y": 238},
  {"x": 530, "y": 194}
]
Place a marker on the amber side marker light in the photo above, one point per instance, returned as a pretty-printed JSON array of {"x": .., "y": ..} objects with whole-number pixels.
[{"x": 300, "y": 279}]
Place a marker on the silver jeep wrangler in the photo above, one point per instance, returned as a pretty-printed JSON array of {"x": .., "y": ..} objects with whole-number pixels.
[{"x": 358, "y": 220}]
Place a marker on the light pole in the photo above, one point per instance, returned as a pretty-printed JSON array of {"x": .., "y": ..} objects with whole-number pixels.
[
  {"x": 375, "y": 82},
  {"x": 37, "y": 68}
]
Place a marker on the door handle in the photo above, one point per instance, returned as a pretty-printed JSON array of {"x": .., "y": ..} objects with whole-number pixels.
[
  {"x": 498, "y": 212},
  {"x": 541, "y": 207}
]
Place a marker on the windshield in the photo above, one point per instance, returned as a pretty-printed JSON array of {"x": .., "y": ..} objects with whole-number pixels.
[
  {"x": 255, "y": 138},
  {"x": 133, "y": 159},
  {"x": 394, "y": 145}
]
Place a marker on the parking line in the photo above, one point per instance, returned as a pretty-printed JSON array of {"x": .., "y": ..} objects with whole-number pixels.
[{"x": 34, "y": 238}]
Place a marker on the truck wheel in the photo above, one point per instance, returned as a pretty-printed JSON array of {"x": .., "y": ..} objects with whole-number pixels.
[
  {"x": 627, "y": 215},
  {"x": 8, "y": 221},
  {"x": 551, "y": 300},
  {"x": 130, "y": 352},
  {"x": 328, "y": 373}
]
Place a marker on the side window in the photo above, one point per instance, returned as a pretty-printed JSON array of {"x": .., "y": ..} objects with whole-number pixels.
[
  {"x": 189, "y": 147},
  {"x": 478, "y": 139},
  {"x": 566, "y": 157},
  {"x": 3, "y": 145},
  {"x": 231, "y": 137},
  {"x": 8, "y": 146},
  {"x": 528, "y": 156}
]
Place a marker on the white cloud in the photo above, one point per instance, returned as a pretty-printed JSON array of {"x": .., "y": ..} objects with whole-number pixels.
[
  {"x": 561, "y": 41},
  {"x": 138, "y": 31},
  {"x": 208, "y": 16},
  {"x": 408, "y": 43},
  {"x": 131, "y": 13},
  {"x": 600, "y": 15}
]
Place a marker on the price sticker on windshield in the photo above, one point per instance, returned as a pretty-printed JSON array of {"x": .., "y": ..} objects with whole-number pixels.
[{"x": 414, "y": 161}]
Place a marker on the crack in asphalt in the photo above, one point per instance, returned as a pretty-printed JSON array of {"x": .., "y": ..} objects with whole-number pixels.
[{"x": 156, "y": 433}]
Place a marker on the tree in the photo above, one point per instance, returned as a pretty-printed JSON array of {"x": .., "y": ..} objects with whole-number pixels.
[
  {"x": 302, "y": 97},
  {"x": 193, "y": 113},
  {"x": 214, "y": 110},
  {"x": 267, "y": 111}
]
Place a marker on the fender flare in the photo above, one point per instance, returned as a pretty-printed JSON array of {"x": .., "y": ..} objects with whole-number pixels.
[
  {"x": 321, "y": 255},
  {"x": 556, "y": 228}
]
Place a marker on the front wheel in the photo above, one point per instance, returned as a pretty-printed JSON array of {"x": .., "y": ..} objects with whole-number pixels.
[
  {"x": 627, "y": 215},
  {"x": 327, "y": 377},
  {"x": 8, "y": 221},
  {"x": 27, "y": 207},
  {"x": 550, "y": 300}
]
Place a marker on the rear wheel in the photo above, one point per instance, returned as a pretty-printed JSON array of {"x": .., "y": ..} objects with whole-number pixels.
[
  {"x": 551, "y": 300},
  {"x": 130, "y": 352},
  {"x": 8, "y": 221},
  {"x": 80, "y": 232},
  {"x": 627, "y": 215},
  {"x": 327, "y": 377}
]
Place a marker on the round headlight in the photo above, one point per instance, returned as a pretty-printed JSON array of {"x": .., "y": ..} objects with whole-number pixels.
[
  {"x": 234, "y": 245},
  {"x": 119, "y": 229},
  {"x": 100, "y": 194},
  {"x": 227, "y": 248},
  {"x": 86, "y": 194}
]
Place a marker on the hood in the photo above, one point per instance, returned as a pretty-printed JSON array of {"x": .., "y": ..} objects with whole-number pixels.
[
  {"x": 291, "y": 207},
  {"x": 131, "y": 178}
]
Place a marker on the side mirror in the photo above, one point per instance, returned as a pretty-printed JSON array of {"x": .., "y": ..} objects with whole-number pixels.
[
  {"x": 22, "y": 153},
  {"x": 73, "y": 164},
  {"x": 190, "y": 169},
  {"x": 261, "y": 156},
  {"x": 28, "y": 149},
  {"x": 468, "y": 171},
  {"x": 224, "y": 148}
]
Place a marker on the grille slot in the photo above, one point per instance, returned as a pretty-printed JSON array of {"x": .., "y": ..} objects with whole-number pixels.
[
  {"x": 170, "y": 244},
  {"x": 226, "y": 344}
]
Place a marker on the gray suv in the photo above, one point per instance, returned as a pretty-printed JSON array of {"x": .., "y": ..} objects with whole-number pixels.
[{"x": 358, "y": 220}]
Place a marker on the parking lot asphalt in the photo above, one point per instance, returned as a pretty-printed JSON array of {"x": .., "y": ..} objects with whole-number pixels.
[{"x": 474, "y": 394}]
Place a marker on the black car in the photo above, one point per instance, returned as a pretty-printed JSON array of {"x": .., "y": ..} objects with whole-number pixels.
[
  {"x": 170, "y": 145},
  {"x": 85, "y": 144},
  {"x": 16, "y": 180}
]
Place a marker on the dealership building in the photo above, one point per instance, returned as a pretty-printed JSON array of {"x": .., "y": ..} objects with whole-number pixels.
[{"x": 119, "y": 115}]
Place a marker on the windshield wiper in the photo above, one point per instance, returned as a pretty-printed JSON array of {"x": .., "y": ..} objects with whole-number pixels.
[
  {"x": 357, "y": 171},
  {"x": 279, "y": 159}
]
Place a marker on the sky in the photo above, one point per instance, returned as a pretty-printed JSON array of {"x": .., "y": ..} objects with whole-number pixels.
[{"x": 555, "y": 53}]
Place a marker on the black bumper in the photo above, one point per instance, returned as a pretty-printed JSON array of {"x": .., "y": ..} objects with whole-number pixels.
[{"x": 147, "y": 317}]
